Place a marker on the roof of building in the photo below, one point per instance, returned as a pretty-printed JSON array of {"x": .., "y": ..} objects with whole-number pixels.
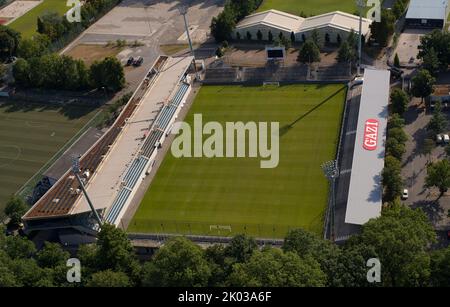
[
  {"x": 427, "y": 9},
  {"x": 365, "y": 191},
  {"x": 273, "y": 18},
  {"x": 338, "y": 19},
  {"x": 441, "y": 90},
  {"x": 296, "y": 24}
]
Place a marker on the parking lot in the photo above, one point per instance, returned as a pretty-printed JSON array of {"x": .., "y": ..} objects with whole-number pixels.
[
  {"x": 407, "y": 45},
  {"x": 415, "y": 167}
]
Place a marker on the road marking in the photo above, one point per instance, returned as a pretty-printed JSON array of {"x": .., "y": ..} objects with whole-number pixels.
[
  {"x": 346, "y": 171},
  {"x": 351, "y": 132}
]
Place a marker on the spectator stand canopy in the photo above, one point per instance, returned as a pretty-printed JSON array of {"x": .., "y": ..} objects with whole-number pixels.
[{"x": 365, "y": 192}]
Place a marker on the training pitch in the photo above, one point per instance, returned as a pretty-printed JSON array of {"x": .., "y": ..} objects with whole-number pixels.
[
  {"x": 309, "y": 7},
  {"x": 30, "y": 135},
  {"x": 213, "y": 196},
  {"x": 27, "y": 24}
]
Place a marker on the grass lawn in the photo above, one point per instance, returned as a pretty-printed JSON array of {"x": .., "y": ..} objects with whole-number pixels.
[
  {"x": 90, "y": 53},
  {"x": 189, "y": 195},
  {"x": 30, "y": 135},
  {"x": 310, "y": 7},
  {"x": 27, "y": 24}
]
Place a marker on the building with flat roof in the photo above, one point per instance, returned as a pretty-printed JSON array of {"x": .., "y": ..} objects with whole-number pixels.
[
  {"x": 427, "y": 14},
  {"x": 333, "y": 27},
  {"x": 365, "y": 194}
]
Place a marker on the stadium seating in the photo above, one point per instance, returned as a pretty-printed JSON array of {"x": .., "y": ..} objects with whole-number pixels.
[
  {"x": 180, "y": 94},
  {"x": 117, "y": 205},
  {"x": 132, "y": 176},
  {"x": 149, "y": 145},
  {"x": 165, "y": 117}
]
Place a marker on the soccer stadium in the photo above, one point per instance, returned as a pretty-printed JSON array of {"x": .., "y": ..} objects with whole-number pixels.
[{"x": 213, "y": 197}]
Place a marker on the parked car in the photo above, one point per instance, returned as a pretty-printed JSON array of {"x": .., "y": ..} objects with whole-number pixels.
[
  {"x": 405, "y": 194},
  {"x": 358, "y": 81},
  {"x": 396, "y": 72},
  {"x": 138, "y": 61},
  {"x": 446, "y": 138},
  {"x": 439, "y": 139},
  {"x": 130, "y": 61}
]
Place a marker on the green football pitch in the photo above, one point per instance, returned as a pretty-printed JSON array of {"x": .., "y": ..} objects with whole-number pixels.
[
  {"x": 30, "y": 135},
  {"x": 310, "y": 7},
  {"x": 213, "y": 196},
  {"x": 27, "y": 24}
]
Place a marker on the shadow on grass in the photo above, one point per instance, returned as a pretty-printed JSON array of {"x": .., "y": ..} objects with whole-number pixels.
[
  {"x": 70, "y": 111},
  {"x": 285, "y": 129}
]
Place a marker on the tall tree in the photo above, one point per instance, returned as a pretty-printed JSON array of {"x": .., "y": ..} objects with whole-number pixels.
[
  {"x": 431, "y": 61},
  {"x": 399, "y": 101},
  {"x": 346, "y": 53},
  {"x": 179, "y": 263},
  {"x": 422, "y": 84},
  {"x": 309, "y": 53},
  {"x": 15, "y": 208},
  {"x": 109, "y": 279},
  {"x": 392, "y": 179},
  {"x": 9, "y": 41},
  {"x": 274, "y": 268},
  {"x": 401, "y": 239},
  {"x": 438, "y": 175},
  {"x": 381, "y": 31},
  {"x": 108, "y": 73},
  {"x": 440, "y": 268},
  {"x": 222, "y": 26}
]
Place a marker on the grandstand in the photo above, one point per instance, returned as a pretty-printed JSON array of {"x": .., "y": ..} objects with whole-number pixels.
[{"x": 114, "y": 166}]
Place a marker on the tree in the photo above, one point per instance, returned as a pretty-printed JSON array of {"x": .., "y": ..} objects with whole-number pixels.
[
  {"x": 293, "y": 38},
  {"x": 9, "y": 41},
  {"x": 422, "y": 84},
  {"x": 238, "y": 36},
  {"x": 52, "y": 255},
  {"x": 437, "y": 42},
  {"x": 395, "y": 149},
  {"x": 440, "y": 268},
  {"x": 327, "y": 38},
  {"x": 447, "y": 150},
  {"x": 396, "y": 61},
  {"x": 438, "y": 122},
  {"x": 179, "y": 263},
  {"x": 274, "y": 268},
  {"x": 222, "y": 26},
  {"x": 115, "y": 252},
  {"x": 396, "y": 121},
  {"x": 21, "y": 72},
  {"x": 381, "y": 31},
  {"x": 399, "y": 101},
  {"x": 52, "y": 25},
  {"x": 391, "y": 178},
  {"x": 15, "y": 208},
  {"x": 259, "y": 35},
  {"x": 241, "y": 248},
  {"x": 346, "y": 53},
  {"x": 339, "y": 39},
  {"x": 438, "y": 175},
  {"x": 306, "y": 244},
  {"x": 431, "y": 61},
  {"x": 427, "y": 148},
  {"x": 109, "y": 279},
  {"x": 309, "y": 53},
  {"x": 249, "y": 36},
  {"x": 400, "y": 239},
  {"x": 33, "y": 47},
  {"x": 398, "y": 134},
  {"x": 270, "y": 36},
  {"x": 108, "y": 73},
  {"x": 18, "y": 247},
  {"x": 315, "y": 37}
]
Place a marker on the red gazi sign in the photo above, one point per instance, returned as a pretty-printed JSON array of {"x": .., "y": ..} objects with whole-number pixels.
[{"x": 371, "y": 134}]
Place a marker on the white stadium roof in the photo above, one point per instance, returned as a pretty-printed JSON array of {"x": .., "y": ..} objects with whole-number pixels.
[
  {"x": 273, "y": 18},
  {"x": 427, "y": 9},
  {"x": 288, "y": 22},
  {"x": 365, "y": 191}
]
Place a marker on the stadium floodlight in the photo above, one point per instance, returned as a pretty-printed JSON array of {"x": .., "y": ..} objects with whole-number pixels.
[
  {"x": 76, "y": 170},
  {"x": 361, "y": 5},
  {"x": 183, "y": 9},
  {"x": 331, "y": 171}
]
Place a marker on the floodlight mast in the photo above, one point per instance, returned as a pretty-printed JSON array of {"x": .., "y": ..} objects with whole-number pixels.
[
  {"x": 183, "y": 9},
  {"x": 361, "y": 5},
  {"x": 331, "y": 171},
  {"x": 76, "y": 171}
]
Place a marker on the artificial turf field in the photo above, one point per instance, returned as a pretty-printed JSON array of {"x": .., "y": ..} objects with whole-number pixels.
[
  {"x": 309, "y": 7},
  {"x": 27, "y": 24},
  {"x": 199, "y": 195},
  {"x": 30, "y": 135}
]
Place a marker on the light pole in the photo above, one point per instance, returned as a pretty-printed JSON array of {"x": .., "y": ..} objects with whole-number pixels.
[
  {"x": 183, "y": 9},
  {"x": 331, "y": 171},
  {"x": 76, "y": 171},
  {"x": 361, "y": 5}
]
